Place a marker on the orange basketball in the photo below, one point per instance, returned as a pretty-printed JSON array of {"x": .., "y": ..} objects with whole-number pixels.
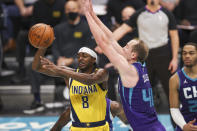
[{"x": 41, "y": 35}]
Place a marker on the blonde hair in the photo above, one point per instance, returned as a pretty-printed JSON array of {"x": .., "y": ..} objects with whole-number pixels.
[{"x": 141, "y": 49}]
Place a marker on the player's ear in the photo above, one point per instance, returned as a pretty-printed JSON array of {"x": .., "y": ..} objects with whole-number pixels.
[{"x": 94, "y": 60}]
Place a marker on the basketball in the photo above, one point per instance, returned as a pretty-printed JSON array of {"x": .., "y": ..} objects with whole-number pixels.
[{"x": 41, "y": 35}]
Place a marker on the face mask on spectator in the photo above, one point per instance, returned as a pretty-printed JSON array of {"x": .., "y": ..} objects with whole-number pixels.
[{"x": 72, "y": 15}]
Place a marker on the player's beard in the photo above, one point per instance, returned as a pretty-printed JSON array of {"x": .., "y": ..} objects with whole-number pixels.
[
  {"x": 192, "y": 64},
  {"x": 152, "y": 2}
]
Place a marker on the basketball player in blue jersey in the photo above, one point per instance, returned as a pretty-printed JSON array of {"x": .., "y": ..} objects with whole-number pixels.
[
  {"x": 134, "y": 86},
  {"x": 183, "y": 91},
  {"x": 87, "y": 85},
  {"x": 113, "y": 109}
]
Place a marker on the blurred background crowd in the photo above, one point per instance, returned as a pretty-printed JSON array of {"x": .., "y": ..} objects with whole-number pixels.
[{"x": 72, "y": 32}]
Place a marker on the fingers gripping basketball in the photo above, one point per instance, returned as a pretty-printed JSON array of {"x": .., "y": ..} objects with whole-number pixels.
[{"x": 41, "y": 35}]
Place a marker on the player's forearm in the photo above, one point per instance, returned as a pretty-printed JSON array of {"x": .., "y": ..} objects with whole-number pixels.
[
  {"x": 62, "y": 121},
  {"x": 84, "y": 78},
  {"x": 100, "y": 38},
  {"x": 36, "y": 65},
  {"x": 107, "y": 32}
]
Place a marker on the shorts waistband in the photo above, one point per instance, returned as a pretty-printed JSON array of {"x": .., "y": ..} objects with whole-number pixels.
[{"x": 88, "y": 125}]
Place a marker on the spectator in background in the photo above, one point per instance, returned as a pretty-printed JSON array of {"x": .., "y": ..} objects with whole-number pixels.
[
  {"x": 169, "y": 4},
  {"x": 14, "y": 13},
  {"x": 43, "y": 11},
  {"x": 114, "y": 8},
  {"x": 21, "y": 23},
  {"x": 25, "y": 7},
  {"x": 1, "y": 53},
  {"x": 50, "y": 12},
  {"x": 126, "y": 13},
  {"x": 193, "y": 37},
  {"x": 154, "y": 23},
  {"x": 187, "y": 16},
  {"x": 70, "y": 35}
]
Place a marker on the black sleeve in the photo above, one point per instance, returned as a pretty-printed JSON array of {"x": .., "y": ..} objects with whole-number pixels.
[
  {"x": 133, "y": 19},
  {"x": 35, "y": 13},
  {"x": 172, "y": 20},
  {"x": 137, "y": 4}
]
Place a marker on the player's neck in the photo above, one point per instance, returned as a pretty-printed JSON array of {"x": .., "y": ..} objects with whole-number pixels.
[
  {"x": 191, "y": 71},
  {"x": 153, "y": 8},
  {"x": 88, "y": 70},
  {"x": 131, "y": 61}
]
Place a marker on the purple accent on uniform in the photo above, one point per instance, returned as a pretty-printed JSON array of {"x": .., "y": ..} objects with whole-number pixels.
[
  {"x": 189, "y": 105},
  {"x": 154, "y": 11},
  {"x": 139, "y": 109},
  {"x": 75, "y": 117},
  {"x": 107, "y": 117}
]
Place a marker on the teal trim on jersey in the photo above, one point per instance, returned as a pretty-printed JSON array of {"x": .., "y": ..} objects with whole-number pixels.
[
  {"x": 179, "y": 80},
  {"x": 130, "y": 96},
  {"x": 123, "y": 92},
  {"x": 193, "y": 106},
  {"x": 144, "y": 64},
  {"x": 188, "y": 76},
  {"x": 138, "y": 74}
]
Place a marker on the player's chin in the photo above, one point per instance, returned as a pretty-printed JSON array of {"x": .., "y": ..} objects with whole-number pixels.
[
  {"x": 188, "y": 64},
  {"x": 81, "y": 67}
]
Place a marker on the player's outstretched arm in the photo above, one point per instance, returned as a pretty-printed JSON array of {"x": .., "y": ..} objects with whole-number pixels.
[
  {"x": 45, "y": 66},
  {"x": 99, "y": 76},
  {"x": 105, "y": 42},
  {"x": 62, "y": 121},
  {"x": 39, "y": 61},
  {"x": 107, "y": 32}
]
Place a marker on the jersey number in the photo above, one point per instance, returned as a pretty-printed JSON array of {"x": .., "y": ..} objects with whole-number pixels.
[
  {"x": 85, "y": 101},
  {"x": 148, "y": 97},
  {"x": 193, "y": 107}
]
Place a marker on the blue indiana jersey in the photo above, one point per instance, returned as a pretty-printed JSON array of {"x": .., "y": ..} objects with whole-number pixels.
[
  {"x": 187, "y": 96},
  {"x": 138, "y": 103}
]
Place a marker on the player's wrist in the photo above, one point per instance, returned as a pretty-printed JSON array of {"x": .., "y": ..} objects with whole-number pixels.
[{"x": 177, "y": 117}]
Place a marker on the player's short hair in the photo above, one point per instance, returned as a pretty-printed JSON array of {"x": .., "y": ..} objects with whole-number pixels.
[
  {"x": 142, "y": 50},
  {"x": 192, "y": 44}
]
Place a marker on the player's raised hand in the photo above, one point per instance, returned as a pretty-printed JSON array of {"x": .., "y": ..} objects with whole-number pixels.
[
  {"x": 82, "y": 5},
  {"x": 90, "y": 5},
  {"x": 190, "y": 126},
  {"x": 86, "y": 5},
  {"x": 45, "y": 61}
]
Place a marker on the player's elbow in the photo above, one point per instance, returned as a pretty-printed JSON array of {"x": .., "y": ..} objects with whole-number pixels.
[{"x": 36, "y": 67}]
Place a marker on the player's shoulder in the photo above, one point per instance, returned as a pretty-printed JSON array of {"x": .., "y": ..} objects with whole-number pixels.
[
  {"x": 101, "y": 70},
  {"x": 174, "y": 78}
]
